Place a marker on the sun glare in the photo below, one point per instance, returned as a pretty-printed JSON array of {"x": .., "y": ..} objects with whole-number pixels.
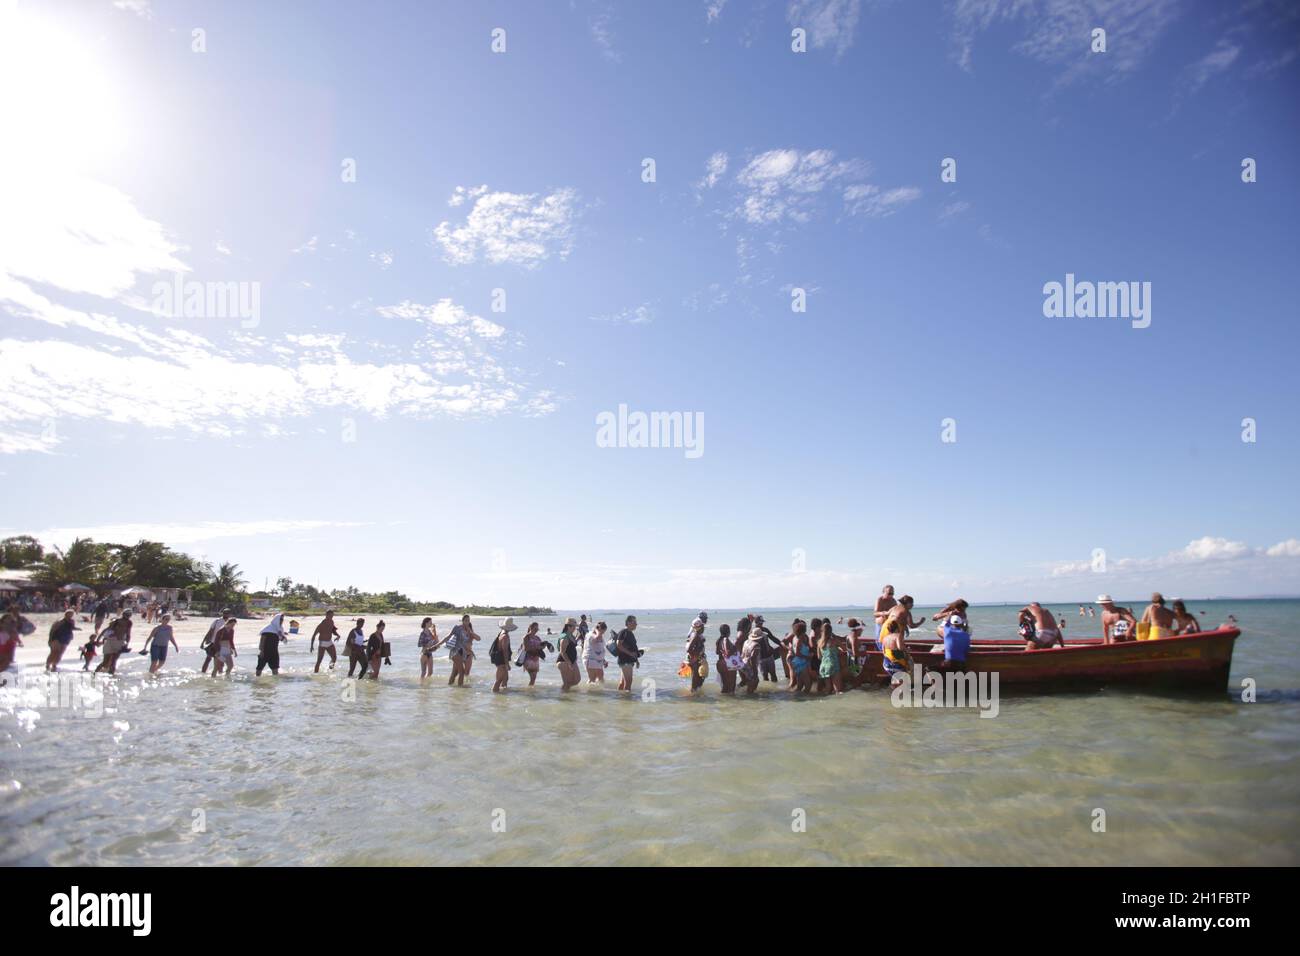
[{"x": 58, "y": 105}]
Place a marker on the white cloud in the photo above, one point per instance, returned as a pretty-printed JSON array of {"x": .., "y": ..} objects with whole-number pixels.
[
  {"x": 445, "y": 314},
  {"x": 830, "y": 23},
  {"x": 1060, "y": 32},
  {"x": 602, "y": 34},
  {"x": 385, "y": 259},
  {"x": 875, "y": 203},
  {"x": 462, "y": 194},
  {"x": 1202, "y": 551},
  {"x": 639, "y": 315},
  {"x": 178, "y": 534},
  {"x": 714, "y": 169},
  {"x": 1290, "y": 548},
  {"x": 521, "y": 228},
  {"x": 221, "y": 247},
  {"x": 783, "y": 186},
  {"x": 713, "y": 9},
  {"x": 141, "y": 8},
  {"x": 1216, "y": 61},
  {"x": 79, "y": 235}
]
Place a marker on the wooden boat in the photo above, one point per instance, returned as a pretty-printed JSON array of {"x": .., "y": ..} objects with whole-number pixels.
[{"x": 1191, "y": 661}]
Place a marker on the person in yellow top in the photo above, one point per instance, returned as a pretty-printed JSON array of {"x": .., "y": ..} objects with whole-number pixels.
[{"x": 1157, "y": 620}]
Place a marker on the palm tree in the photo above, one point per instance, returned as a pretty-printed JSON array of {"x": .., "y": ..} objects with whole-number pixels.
[
  {"x": 228, "y": 583},
  {"x": 78, "y": 564}
]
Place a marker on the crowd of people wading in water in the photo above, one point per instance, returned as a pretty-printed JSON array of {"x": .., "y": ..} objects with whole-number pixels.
[{"x": 812, "y": 657}]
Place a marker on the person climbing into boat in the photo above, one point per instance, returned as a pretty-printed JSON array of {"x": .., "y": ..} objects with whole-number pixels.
[
  {"x": 1184, "y": 622},
  {"x": 1117, "y": 623},
  {"x": 1157, "y": 620},
  {"x": 884, "y": 604},
  {"x": 1046, "y": 632},
  {"x": 893, "y": 644},
  {"x": 728, "y": 658}
]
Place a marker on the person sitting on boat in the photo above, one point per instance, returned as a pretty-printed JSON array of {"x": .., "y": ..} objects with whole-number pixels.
[
  {"x": 1046, "y": 633},
  {"x": 1184, "y": 622},
  {"x": 1157, "y": 620},
  {"x": 955, "y": 632},
  {"x": 1117, "y": 623}
]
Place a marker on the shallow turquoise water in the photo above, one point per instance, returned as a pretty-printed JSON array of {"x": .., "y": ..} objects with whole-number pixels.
[{"x": 289, "y": 771}]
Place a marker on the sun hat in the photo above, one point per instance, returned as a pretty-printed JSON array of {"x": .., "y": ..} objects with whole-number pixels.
[
  {"x": 1103, "y": 599},
  {"x": 508, "y": 624}
]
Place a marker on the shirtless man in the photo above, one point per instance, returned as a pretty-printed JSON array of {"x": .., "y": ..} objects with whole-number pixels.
[
  {"x": 1159, "y": 617},
  {"x": 1046, "y": 631},
  {"x": 325, "y": 631},
  {"x": 884, "y": 604},
  {"x": 1117, "y": 623},
  {"x": 209, "y": 643}
]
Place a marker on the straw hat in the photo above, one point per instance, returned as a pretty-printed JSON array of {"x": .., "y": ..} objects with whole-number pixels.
[{"x": 508, "y": 624}]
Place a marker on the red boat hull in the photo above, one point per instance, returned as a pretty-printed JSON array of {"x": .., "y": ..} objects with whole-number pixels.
[{"x": 1191, "y": 661}]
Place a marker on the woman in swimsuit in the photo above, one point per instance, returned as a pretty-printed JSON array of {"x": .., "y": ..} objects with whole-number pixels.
[
  {"x": 728, "y": 659},
  {"x": 427, "y": 643},
  {"x": 801, "y": 657},
  {"x": 499, "y": 654},
  {"x": 695, "y": 653},
  {"x": 828, "y": 648},
  {"x": 595, "y": 654},
  {"x": 567, "y": 660},
  {"x": 1184, "y": 623},
  {"x": 533, "y": 645}
]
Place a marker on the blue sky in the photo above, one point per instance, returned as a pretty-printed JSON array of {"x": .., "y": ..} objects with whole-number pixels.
[{"x": 378, "y": 423}]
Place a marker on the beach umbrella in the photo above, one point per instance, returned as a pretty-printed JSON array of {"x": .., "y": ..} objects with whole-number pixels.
[{"x": 71, "y": 588}]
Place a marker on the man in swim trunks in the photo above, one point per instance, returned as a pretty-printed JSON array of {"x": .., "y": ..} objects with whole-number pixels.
[
  {"x": 1046, "y": 631},
  {"x": 1160, "y": 619},
  {"x": 1117, "y": 623},
  {"x": 884, "y": 604},
  {"x": 60, "y": 638},
  {"x": 325, "y": 632}
]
